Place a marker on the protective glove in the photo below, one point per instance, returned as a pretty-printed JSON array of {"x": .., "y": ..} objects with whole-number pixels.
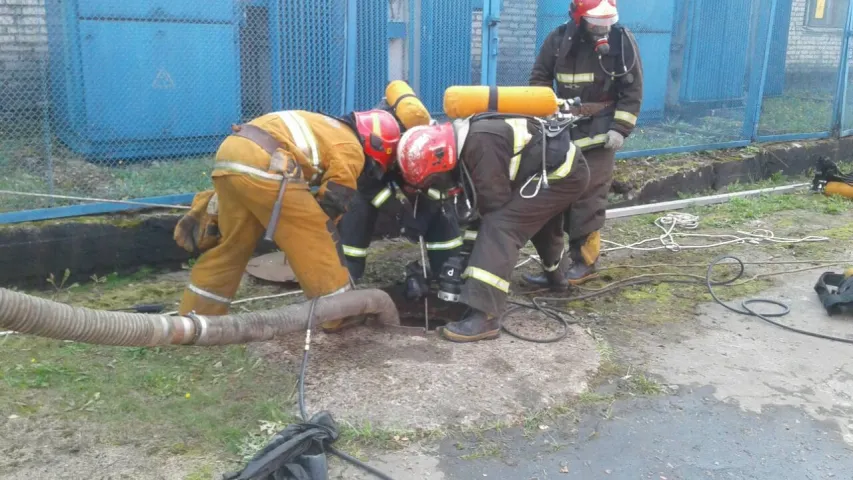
[
  {"x": 198, "y": 230},
  {"x": 336, "y": 200},
  {"x": 417, "y": 285},
  {"x": 615, "y": 140}
]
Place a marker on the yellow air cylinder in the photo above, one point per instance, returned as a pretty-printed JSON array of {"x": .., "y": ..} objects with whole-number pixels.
[
  {"x": 462, "y": 101},
  {"x": 409, "y": 110},
  {"x": 839, "y": 188}
]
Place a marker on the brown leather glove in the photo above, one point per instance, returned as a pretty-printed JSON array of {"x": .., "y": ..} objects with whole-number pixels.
[{"x": 198, "y": 230}]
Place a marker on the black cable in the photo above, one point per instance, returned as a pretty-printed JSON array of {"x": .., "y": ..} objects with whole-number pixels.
[
  {"x": 552, "y": 312},
  {"x": 358, "y": 463},
  {"x": 767, "y": 317},
  {"x": 301, "y": 398},
  {"x": 560, "y": 314},
  {"x": 708, "y": 282}
]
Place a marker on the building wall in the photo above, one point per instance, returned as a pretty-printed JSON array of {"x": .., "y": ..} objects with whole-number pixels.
[
  {"x": 517, "y": 34},
  {"x": 811, "y": 49},
  {"x": 23, "y": 43}
]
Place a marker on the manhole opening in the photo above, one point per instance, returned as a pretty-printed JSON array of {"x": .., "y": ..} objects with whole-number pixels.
[{"x": 412, "y": 313}]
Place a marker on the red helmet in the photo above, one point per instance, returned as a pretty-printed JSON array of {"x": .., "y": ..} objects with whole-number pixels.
[
  {"x": 379, "y": 133},
  {"x": 600, "y": 13},
  {"x": 425, "y": 151}
]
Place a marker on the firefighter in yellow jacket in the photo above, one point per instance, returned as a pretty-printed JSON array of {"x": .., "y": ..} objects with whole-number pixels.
[{"x": 262, "y": 182}]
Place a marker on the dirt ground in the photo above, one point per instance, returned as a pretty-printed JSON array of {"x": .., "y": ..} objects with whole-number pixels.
[{"x": 419, "y": 407}]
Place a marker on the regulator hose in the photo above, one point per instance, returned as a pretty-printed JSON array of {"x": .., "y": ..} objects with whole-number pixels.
[
  {"x": 309, "y": 322},
  {"x": 767, "y": 317},
  {"x": 560, "y": 315}
]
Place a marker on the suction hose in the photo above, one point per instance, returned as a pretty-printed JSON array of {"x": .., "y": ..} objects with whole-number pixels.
[{"x": 44, "y": 318}]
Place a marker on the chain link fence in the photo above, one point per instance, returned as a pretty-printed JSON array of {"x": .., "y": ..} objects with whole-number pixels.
[{"x": 129, "y": 100}]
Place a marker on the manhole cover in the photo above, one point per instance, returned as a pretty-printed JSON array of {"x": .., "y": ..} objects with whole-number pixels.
[{"x": 271, "y": 267}]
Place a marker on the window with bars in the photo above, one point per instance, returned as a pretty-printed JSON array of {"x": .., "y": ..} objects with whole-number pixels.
[{"x": 827, "y": 13}]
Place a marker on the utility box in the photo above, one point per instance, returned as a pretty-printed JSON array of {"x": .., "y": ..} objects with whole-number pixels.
[{"x": 143, "y": 78}]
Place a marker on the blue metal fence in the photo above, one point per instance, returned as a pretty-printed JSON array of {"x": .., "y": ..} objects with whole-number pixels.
[{"x": 123, "y": 100}]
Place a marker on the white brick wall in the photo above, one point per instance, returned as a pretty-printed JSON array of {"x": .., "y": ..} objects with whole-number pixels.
[
  {"x": 517, "y": 33},
  {"x": 23, "y": 43},
  {"x": 810, "y": 49}
]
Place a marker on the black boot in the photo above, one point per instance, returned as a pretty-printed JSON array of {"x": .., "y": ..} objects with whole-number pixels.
[
  {"x": 580, "y": 272},
  {"x": 555, "y": 280},
  {"x": 584, "y": 253},
  {"x": 476, "y": 326}
]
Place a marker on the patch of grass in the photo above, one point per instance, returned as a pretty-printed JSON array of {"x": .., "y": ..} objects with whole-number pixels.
[
  {"x": 27, "y": 169},
  {"x": 116, "y": 291},
  {"x": 191, "y": 399},
  {"x": 738, "y": 211},
  {"x": 640, "y": 384},
  {"x": 797, "y": 111},
  {"x": 201, "y": 473},
  {"x": 593, "y": 398},
  {"x": 488, "y": 450}
]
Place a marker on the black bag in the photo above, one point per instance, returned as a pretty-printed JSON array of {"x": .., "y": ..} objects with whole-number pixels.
[
  {"x": 839, "y": 299},
  {"x": 296, "y": 453}
]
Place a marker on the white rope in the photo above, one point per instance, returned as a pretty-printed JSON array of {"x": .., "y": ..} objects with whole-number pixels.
[
  {"x": 673, "y": 221},
  {"x": 90, "y": 199}
]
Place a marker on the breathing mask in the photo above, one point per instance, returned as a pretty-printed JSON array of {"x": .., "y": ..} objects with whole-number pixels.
[{"x": 599, "y": 32}]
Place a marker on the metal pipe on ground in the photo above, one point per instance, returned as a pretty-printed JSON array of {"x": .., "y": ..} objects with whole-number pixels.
[
  {"x": 27, "y": 314},
  {"x": 698, "y": 201}
]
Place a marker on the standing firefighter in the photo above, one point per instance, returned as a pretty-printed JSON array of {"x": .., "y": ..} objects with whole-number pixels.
[
  {"x": 499, "y": 159},
  {"x": 596, "y": 59},
  {"x": 376, "y": 186},
  {"x": 262, "y": 179}
]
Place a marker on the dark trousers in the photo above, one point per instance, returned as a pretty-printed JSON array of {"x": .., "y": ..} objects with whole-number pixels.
[
  {"x": 505, "y": 231},
  {"x": 587, "y": 213}
]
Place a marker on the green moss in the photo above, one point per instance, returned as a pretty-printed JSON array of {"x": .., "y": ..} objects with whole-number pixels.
[
  {"x": 839, "y": 233},
  {"x": 120, "y": 221},
  {"x": 656, "y": 293}
]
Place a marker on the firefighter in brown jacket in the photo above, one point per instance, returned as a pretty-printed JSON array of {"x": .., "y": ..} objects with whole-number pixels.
[
  {"x": 262, "y": 181},
  {"x": 519, "y": 197},
  {"x": 596, "y": 59}
]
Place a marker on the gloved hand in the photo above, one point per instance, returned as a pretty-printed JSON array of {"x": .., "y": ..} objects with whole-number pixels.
[
  {"x": 417, "y": 285},
  {"x": 198, "y": 230},
  {"x": 615, "y": 140},
  {"x": 336, "y": 200}
]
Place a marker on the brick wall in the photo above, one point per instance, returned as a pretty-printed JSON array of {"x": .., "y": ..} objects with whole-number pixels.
[
  {"x": 517, "y": 33},
  {"x": 810, "y": 50},
  {"x": 23, "y": 43}
]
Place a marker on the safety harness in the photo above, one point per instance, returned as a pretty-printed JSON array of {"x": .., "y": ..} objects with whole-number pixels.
[
  {"x": 836, "y": 292},
  {"x": 551, "y": 134}
]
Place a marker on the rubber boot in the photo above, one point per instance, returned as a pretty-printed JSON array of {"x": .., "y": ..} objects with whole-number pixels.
[
  {"x": 555, "y": 280},
  {"x": 476, "y": 326},
  {"x": 584, "y": 252}
]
